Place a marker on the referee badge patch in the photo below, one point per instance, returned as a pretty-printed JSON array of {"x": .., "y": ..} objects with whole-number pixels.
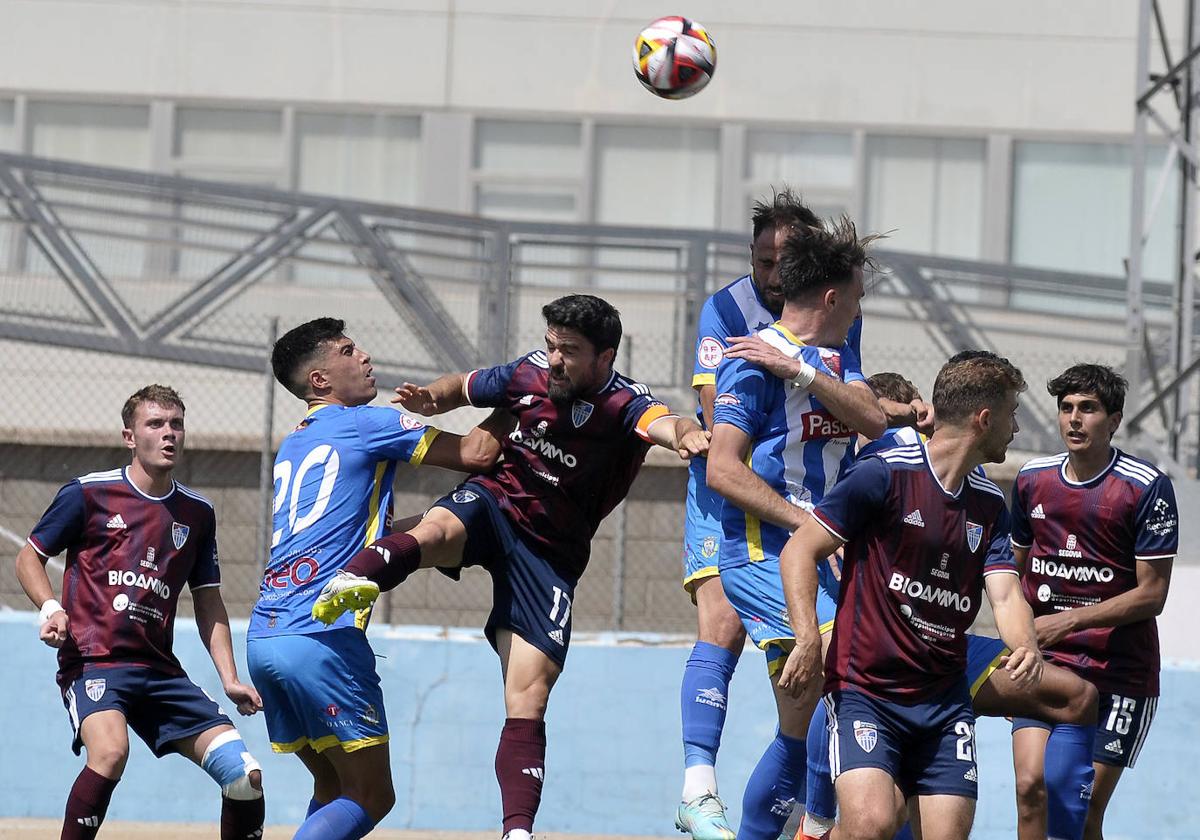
[
  {"x": 974, "y": 535},
  {"x": 866, "y": 735}
]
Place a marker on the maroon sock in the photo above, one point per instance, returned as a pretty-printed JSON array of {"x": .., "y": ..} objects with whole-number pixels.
[
  {"x": 520, "y": 769},
  {"x": 242, "y": 819},
  {"x": 387, "y": 561},
  {"x": 87, "y": 805}
]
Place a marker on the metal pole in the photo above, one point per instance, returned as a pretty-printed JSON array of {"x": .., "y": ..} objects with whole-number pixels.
[
  {"x": 1185, "y": 259},
  {"x": 1135, "y": 318},
  {"x": 266, "y": 461},
  {"x": 618, "y": 608}
]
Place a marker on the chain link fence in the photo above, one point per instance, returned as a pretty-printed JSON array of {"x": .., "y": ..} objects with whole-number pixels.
[{"x": 112, "y": 280}]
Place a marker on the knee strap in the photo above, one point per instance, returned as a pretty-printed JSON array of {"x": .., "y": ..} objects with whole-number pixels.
[{"x": 229, "y": 763}]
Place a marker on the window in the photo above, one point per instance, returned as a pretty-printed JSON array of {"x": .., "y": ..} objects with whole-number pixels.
[
  {"x": 928, "y": 193},
  {"x": 819, "y": 166},
  {"x": 365, "y": 156},
  {"x": 660, "y": 177},
  {"x": 230, "y": 145},
  {"x": 8, "y": 126},
  {"x": 528, "y": 170},
  {"x": 108, "y": 135},
  {"x": 1070, "y": 209}
]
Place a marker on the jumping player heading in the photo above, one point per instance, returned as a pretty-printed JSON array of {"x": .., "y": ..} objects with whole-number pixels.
[
  {"x": 134, "y": 538},
  {"x": 582, "y": 431}
]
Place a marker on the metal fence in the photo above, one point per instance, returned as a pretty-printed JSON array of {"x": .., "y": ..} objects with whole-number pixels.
[{"x": 110, "y": 280}]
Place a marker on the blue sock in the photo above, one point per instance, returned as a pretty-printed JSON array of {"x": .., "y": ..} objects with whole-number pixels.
[
  {"x": 772, "y": 789},
  {"x": 313, "y": 807},
  {"x": 821, "y": 798},
  {"x": 1069, "y": 774},
  {"x": 905, "y": 833},
  {"x": 341, "y": 819},
  {"x": 702, "y": 699}
]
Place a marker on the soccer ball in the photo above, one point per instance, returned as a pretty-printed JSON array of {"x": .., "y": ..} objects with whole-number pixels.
[{"x": 674, "y": 57}]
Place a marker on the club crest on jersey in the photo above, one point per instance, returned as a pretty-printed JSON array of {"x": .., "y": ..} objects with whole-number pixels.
[
  {"x": 179, "y": 534},
  {"x": 95, "y": 689},
  {"x": 832, "y": 360},
  {"x": 866, "y": 734},
  {"x": 464, "y": 497},
  {"x": 708, "y": 548},
  {"x": 974, "y": 535},
  {"x": 580, "y": 412}
]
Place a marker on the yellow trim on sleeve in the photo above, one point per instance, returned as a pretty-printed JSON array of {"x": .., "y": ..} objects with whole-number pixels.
[
  {"x": 422, "y": 446},
  {"x": 702, "y": 379},
  {"x": 754, "y": 546},
  {"x": 827, "y": 626},
  {"x": 374, "y": 511}
]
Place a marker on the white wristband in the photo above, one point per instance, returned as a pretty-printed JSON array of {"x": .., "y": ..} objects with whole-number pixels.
[
  {"x": 48, "y": 609},
  {"x": 806, "y": 375}
]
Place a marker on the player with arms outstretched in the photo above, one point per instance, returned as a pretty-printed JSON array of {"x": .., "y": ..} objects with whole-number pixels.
[
  {"x": 582, "y": 431},
  {"x": 924, "y": 537},
  {"x": 1095, "y": 531},
  {"x": 134, "y": 538},
  {"x": 333, "y": 495}
]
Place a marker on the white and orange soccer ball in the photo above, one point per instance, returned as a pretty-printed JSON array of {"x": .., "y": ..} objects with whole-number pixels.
[{"x": 674, "y": 57}]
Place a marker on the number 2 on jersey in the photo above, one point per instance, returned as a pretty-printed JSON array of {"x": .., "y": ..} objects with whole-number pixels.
[{"x": 324, "y": 456}]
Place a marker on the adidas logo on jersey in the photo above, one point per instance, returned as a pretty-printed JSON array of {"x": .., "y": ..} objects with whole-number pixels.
[
  {"x": 1037, "y": 512},
  {"x": 971, "y": 775},
  {"x": 556, "y": 636},
  {"x": 538, "y": 773},
  {"x": 1114, "y": 747},
  {"x": 914, "y": 518},
  {"x": 115, "y": 522}
]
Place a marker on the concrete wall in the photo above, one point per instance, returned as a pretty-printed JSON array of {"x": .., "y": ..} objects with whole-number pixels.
[
  {"x": 614, "y": 755},
  {"x": 1020, "y": 66}
]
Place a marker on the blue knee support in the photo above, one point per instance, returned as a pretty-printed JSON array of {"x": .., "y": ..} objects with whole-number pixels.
[
  {"x": 1069, "y": 774},
  {"x": 229, "y": 763},
  {"x": 772, "y": 789},
  {"x": 821, "y": 798},
  {"x": 341, "y": 819},
  {"x": 703, "y": 698}
]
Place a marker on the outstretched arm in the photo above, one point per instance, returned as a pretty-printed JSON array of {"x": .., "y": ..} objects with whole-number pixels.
[
  {"x": 31, "y": 573},
  {"x": 212, "y": 620},
  {"x": 681, "y": 434},
  {"x": 1014, "y": 620},
  {"x": 445, "y": 393},
  {"x": 475, "y": 452}
]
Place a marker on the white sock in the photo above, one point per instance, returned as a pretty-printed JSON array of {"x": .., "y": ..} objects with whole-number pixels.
[
  {"x": 698, "y": 780},
  {"x": 815, "y": 826},
  {"x": 518, "y": 834}
]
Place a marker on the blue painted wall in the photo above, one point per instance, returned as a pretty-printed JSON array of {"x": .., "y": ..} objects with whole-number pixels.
[{"x": 614, "y": 762}]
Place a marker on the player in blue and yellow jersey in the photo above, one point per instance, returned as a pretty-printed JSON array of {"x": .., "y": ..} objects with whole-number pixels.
[
  {"x": 333, "y": 495},
  {"x": 582, "y": 431},
  {"x": 745, "y": 306},
  {"x": 789, "y": 401}
]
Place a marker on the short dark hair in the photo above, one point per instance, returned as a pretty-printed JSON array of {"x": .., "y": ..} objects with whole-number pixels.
[
  {"x": 298, "y": 346},
  {"x": 965, "y": 385},
  {"x": 812, "y": 260},
  {"x": 785, "y": 209},
  {"x": 595, "y": 318},
  {"x": 1101, "y": 380},
  {"x": 893, "y": 386},
  {"x": 158, "y": 394}
]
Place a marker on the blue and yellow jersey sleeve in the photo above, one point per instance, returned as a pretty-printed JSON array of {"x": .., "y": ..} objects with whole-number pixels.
[{"x": 393, "y": 435}]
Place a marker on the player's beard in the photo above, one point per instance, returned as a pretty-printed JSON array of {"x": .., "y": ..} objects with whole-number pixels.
[{"x": 561, "y": 394}]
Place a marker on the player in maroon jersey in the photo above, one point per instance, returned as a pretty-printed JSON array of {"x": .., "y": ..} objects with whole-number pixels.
[
  {"x": 134, "y": 537},
  {"x": 581, "y": 433},
  {"x": 1095, "y": 531},
  {"x": 924, "y": 537}
]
